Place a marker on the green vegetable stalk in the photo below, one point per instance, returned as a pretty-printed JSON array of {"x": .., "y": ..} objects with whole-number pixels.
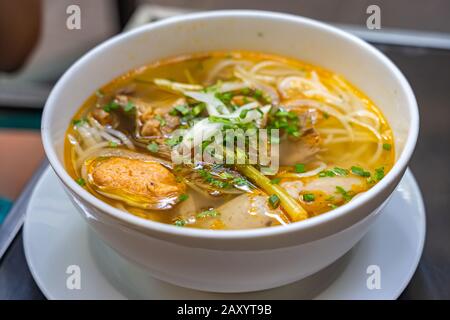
[{"x": 292, "y": 207}]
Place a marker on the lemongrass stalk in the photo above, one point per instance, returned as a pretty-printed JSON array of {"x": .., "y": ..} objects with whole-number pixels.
[{"x": 289, "y": 204}]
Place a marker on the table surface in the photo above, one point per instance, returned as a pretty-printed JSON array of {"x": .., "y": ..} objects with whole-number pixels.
[{"x": 428, "y": 71}]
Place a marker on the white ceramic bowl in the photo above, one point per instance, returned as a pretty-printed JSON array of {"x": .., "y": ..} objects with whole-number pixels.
[{"x": 241, "y": 260}]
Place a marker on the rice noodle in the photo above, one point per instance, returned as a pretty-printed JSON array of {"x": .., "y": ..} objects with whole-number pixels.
[
  {"x": 347, "y": 139},
  {"x": 250, "y": 80},
  {"x": 74, "y": 142},
  {"x": 121, "y": 136},
  {"x": 366, "y": 114},
  {"x": 88, "y": 140},
  {"x": 101, "y": 131},
  {"x": 310, "y": 88},
  {"x": 231, "y": 86},
  {"x": 222, "y": 65},
  {"x": 283, "y": 70},
  {"x": 176, "y": 86}
]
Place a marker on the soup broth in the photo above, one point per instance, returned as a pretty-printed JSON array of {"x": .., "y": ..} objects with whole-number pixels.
[{"x": 334, "y": 143}]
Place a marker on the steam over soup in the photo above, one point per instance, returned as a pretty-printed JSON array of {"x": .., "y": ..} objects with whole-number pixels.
[{"x": 332, "y": 145}]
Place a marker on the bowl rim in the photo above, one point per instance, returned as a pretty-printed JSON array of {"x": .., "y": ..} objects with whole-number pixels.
[{"x": 170, "y": 230}]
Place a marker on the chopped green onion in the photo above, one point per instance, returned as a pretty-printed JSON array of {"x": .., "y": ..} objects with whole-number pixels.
[
  {"x": 81, "y": 182},
  {"x": 183, "y": 197},
  {"x": 308, "y": 197},
  {"x": 245, "y": 91},
  {"x": 198, "y": 109},
  {"x": 387, "y": 146},
  {"x": 162, "y": 121},
  {"x": 360, "y": 172},
  {"x": 129, "y": 107},
  {"x": 172, "y": 142},
  {"x": 111, "y": 106},
  {"x": 274, "y": 201},
  {"x": 153, "y": 147},
  {"x": 336, "y": 171},
  {"x": 344, "y": 193},
  {"x": 275, "y": 181},
  {"x": 258, "y": 94},
  {"x": 79, "y": 122},
  {"x": 340, "y": 171},
  {"x": 300, "y": 168},
  {"x": 243, "y": 113},
  {"x": 113, "y": 144},
  {"x": 180, "y": 222},
  {"x": 379, "y": 173},
  {"x": 240, "y": 181},
  {"x": 183, "y": 109},
  {"x": 212, "y": 213}
]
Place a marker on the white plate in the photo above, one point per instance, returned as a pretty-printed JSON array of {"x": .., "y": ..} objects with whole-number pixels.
[{"x": 56, "y": 237}]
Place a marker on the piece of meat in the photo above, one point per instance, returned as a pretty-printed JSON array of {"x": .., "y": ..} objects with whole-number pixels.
[
  {"x": 299, "y": 150},
  {"x": 170, "y": 122},
  {"x": 151, "y": 128},
  {"x": 102, "y": 116},
  {"x": 249, "y": 211},
  {"x": 142, "y": 181}
]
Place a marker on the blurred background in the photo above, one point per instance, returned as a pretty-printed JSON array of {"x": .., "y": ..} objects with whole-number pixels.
[{"x": 37, "y": 46}]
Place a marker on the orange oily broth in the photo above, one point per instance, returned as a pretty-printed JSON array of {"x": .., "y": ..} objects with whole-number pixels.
[{"x": 193, "y": 69}]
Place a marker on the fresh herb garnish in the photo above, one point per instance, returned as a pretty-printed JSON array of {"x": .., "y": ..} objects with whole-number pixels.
[
  {"x": 345, "y": 194},
  {"x": 300, "y": 168},
  {"x": 183, "y": 197},
  {"x": 275, "y": 181},
  {"x": 162, "y": 121},
  {"x": 274, "y": 201},
  {"x": 111, "y": 106},
  {"x": 180, "y": 222},
  {"x": 113, "y": 144},
  {"x": 225, "y": 97},
  {"x": 153, "y": 147},
  {"x": 172, "y": 142},
  {"x": 308, "y": 197},
  {"x": 129, "y": 107},
  {"x": 258, "y": 94},
  {"x": 285, "y": 120},
  {"x": 387, "y": 146},
  {"x": 211, "y": 213},
  {"x": 183, "y": 109},
  {"x": 379, "y": 173},
  {"x": 79, "y": 122},
  {"x": 81, "y": 182},
  {"x": 340, "y": 171},
  {"x": 245, "y": 91},
  {"x": 243, "y": 113},
  {"x": 336, "y": 171},
  {"x": 360, "y": 172},
  {"x": 239, "y": 181}
]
